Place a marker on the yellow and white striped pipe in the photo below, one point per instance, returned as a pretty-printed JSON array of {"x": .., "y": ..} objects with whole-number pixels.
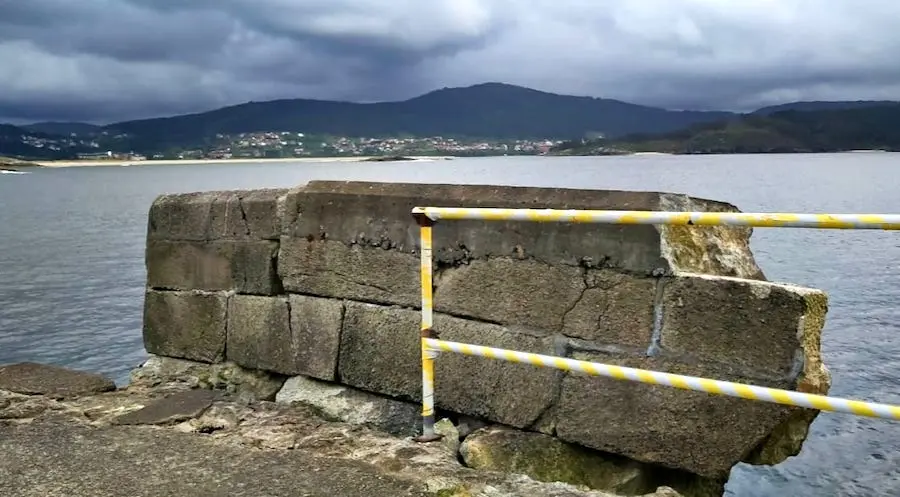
[
  {"x": 426, "y": 274},
  {"x": 428, "y": 356},
  {"x": 751, "y": 392},
  {"x": 765, "y": 220}
]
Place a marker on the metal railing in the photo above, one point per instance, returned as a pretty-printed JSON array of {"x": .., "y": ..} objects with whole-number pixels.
[{"x": 426, "y": 217}]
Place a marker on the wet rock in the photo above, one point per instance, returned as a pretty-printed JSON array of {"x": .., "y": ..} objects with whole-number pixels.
[{"x": 30, "y": 378}]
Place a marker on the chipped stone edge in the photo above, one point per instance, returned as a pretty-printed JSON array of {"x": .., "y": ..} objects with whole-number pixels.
[{"x": 741, "y": 262}]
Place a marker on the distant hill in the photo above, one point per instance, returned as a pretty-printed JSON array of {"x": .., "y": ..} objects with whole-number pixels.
[
  {"x": 489, "y": 110},
  {"x": 19, "y": 142},
  {"x": 63, "y": 128},
  {"x": 822, "y": 105},
  {"x": 859, "y": 128},
  {"x": 12, "y": 143}
]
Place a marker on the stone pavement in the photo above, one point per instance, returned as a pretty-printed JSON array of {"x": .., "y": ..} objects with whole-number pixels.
[
  {"x": 53, "y": 457},
  {"x": 172, "y": 441}
]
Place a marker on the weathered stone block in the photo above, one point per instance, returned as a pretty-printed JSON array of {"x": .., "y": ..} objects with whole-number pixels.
[
  {"x": 186, "y": 325},
  {"x": 614, "y": 308},
  {"x": 756, "y": 325},
  {"x": 243, "y": 266},
  {"x": 698, "y": 432},
  {"x": 262, "y": 211},
  {"x": 337, "y": 270},
  {"x": 316, "y": 335},
  {"x": 205, "y": 216},
  {"x": 290, "y": 336},
  {"x": 509, "y": 291},
  {"x": 770, "y": 328},
  {"x": 259, "y": 334},
  {"x": 513, "y": 394},
  {"x": 380, "y": 352},
  {"x": 378, "y": 214},
  {"x": 358, "y": 240}
]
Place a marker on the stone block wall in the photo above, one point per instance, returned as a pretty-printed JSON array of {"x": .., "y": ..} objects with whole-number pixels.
[{"x": 323, "y": 281}]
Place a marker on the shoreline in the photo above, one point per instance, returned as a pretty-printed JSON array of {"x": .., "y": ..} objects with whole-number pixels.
[
  {"x": 367, "y": 158},
  {"x": 194, "y": 162}
]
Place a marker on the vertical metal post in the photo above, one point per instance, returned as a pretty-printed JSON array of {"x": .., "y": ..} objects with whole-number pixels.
[{"x": 427, "y": 331}]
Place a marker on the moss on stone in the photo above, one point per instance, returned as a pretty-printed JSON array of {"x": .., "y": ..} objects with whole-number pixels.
[
  {"x": 548, "y": 459},
  {"x": 718, "y": 250}
]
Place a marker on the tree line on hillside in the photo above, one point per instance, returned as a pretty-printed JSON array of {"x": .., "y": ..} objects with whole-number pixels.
[{"x": 790, "y": 131}]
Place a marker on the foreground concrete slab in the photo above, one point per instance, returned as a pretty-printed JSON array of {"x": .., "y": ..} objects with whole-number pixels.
[
  {"x": 75, "y": 448},
  {"x": 62, "y": 458}
]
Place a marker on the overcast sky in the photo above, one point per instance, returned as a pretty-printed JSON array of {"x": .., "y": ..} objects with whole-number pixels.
[{"x": 107, "y": 60}]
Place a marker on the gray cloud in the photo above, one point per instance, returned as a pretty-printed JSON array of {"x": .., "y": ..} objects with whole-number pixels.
[{"x": 105, "y": 60}]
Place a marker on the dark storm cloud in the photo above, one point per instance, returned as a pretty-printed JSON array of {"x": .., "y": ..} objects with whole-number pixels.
[{"x": 106, "y": 60}]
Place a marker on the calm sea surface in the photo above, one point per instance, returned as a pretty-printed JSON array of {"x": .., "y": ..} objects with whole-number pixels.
[{"x": 72, "y": 269}]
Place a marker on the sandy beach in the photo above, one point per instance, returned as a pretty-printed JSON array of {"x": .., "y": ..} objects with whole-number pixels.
[{"x": 122, "y": 163}]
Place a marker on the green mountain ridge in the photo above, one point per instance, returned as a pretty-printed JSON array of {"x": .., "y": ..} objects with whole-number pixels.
[
  {"x": 19, "y": 142},
  {"x": 485, "y": 111},
  {"x": 814, "y": 105},
  {"x": 490, "y": 110},
  {"x": 62, "y": 128},
  {"x": 866, "y": 127}
]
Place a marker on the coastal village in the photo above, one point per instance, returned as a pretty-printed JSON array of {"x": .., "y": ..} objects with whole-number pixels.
[
  {"x": 286, "y": 144},
  {"x": 291, "y": 144}
]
